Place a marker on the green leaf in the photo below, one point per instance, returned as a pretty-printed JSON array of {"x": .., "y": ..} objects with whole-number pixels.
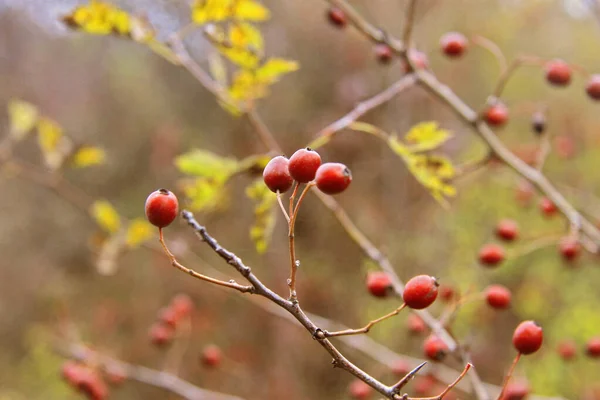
[
  {"x": 264, "y": 214},
  {"x": 23, "y": 117},
  {"x": 426, "y": 136},
  {"x": 205, "y": 164}
]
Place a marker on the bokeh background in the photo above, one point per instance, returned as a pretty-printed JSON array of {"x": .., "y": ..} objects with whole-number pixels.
[{"x": 144, "y": 112}]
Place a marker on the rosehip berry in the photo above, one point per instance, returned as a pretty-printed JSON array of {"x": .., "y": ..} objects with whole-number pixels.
[
  {"x": 434, "y": 348},
  {"x": 447, "y": 293},
  {"x": 498, "y": 296},
  {"x": 384, "y": 53},
  {"x": 507, "y": 229},
  {"x": 168, "y": 316},
  {"x": 528, "y": 337},
  {"x": 517, "y": 390},
  {"x": 333, "y": 178},
  {"x": 453, "y": 44},
  {"x": 415, "y": 324},
  {"x": 592, "y": 347},
  {"x": 303, "y": 165},
  {"x": 277, "y": 175},
  {"x": 558, "y": 72},
  {"x": 400, "y": 368},
  {"x": 538, "y": 122},
  {"x": 548, "y": 207},
  {"x": 496, "y": 114},
  {"x": 211, "y": 356},
  {"x": 337, "y": 17},
  {"x": 420, "y": 292},
  {"x": 567, "y": 350},
  {"x": 569, "y": 248},
  {"x": 161, "y": 208},
  {"x": 161, "y": 334},
  {"x": 491, "y": 255},
  {"x": 182, "y": 305},
  {"x": 379, "y": 283},
  {"x": 592, "y": 87},
  {"x": 418, "y": 58},
  {"x": 359, "y": 390}
]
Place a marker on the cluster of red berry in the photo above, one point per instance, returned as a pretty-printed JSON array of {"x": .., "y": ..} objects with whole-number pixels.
[
  {"x": 305, "y": 166},
  {"x": 91, "y": 381},
  {"x": 169, "y": 319}
]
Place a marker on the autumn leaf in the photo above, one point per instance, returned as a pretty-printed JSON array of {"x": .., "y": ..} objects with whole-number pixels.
[
  {"x": 105, "y": 216},
  {"x": 88, "y": 156},
  {"x": 426, "y": 136},
  {"x": 22, "y": 117}
]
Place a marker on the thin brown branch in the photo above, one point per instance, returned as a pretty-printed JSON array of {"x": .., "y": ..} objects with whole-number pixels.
[
  {"x": 367, "y": 327},
  {"x": 294, "y": 209},
  {"x": 493, "y": 48},
  {"x": 264, "y": 134},
  {"x": 508, "y": 72},
  {"x": 451, "y": 386},
  {"x": 407, "y": 378},
  {"x": 409, "y": 20},
  {"x": 511, "y": 370}
]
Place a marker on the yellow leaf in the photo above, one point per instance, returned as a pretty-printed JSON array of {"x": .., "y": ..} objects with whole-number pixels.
[
  {"x": 264, "y": 214},
  {"x": 204, "y": 11},
  {"x": 246, "y": 36},
  {"x": 23, "y": 117},
  {"x": 244, "y": 57},
  {"x": 251, "y": 10},
  {"x": 99, "y": 18},
  {"x": 138, "y": 231},
  {"x": 205, "y": 164},
  {"x": 274, "y": 68},
  {"x": 105, "y": 216},
  {"x": 205, "y": 194},
  {"x": 245, "y": 86},
  {"x": 426, "y": 136},
  {"x": 87, "y": 156},
  {"x": 54, "y": 144}
]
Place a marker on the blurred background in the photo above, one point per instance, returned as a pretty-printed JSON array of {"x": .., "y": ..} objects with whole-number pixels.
[{"x": 144, "y": 112}]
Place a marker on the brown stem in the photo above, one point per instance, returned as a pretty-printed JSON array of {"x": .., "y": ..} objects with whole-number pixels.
[
  {"x": 493, "y": 48},
  {"x": 292, "y": 225},
  {"x": 449, "y": 388},
  {"x": 367, "y": 327},
  {"x": 509, "y": 375}
]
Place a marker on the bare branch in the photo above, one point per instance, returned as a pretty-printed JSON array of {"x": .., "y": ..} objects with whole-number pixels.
[{"x": 366, "y": 328}]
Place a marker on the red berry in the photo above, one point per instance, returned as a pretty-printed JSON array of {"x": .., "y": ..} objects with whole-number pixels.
[
  {"x": 418, "y": 58},
  {"x": 558, "y": 72},
  {"x": 168, "y": 316},
  {"x": 161, "y": 334},
  {"x": 420, "y": 291},
  {"x": 304, "y": 164},
  {"x": 434, "y": 348},
  {"x": 538, "y": 122},
  {"x": 507, "y": 229},
  {"x": 211, "y": 356},
  {"x": 516, "y": 390},
  {"x": 528, "y": 337},
  {"x": 277, "y": 175},
  {"x": 92, "y": 385},
  {"x": 161, "y": 208},
  {"x": 498, "y": 296},
  {"x": 400, "y": 368},
  {"x": 415, "y": 324},
  {"x": 592, "y": 347},
  {"x": 182, "y": 305},
  {"x": 496, "y": 114},
  {"x": 548, "y": 207},
  {"x": 384, "y": 53},
  {"x": 569, "y": 248},
  {"x": 337, "y": 17},
  {"x": 453, "y": 44},
  {"x": 491, "y": 255},
  {"x": 379, "y": 283},
  {"x": 592, "y": 87},
  {"x": 70, "y": 371},
  {"x": 333, "y": 178},
  {"x": 567, "y": 349},
  {"x": 447, "y": 293},
  {"x": 359, "y": 390}
]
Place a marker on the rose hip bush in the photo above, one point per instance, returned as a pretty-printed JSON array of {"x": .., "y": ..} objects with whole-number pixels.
[{"x": 431, "y": 233}]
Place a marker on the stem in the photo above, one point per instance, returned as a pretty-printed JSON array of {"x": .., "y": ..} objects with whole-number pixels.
[
  {"x": 509, "y": 375},
  {"x": 285, "y": 214},
  {"x": 493, "y": 48},
  {"x": 292, "y": 224},
  {"x": 367, "y": 327},
  {"x": 449, "y": 388}
]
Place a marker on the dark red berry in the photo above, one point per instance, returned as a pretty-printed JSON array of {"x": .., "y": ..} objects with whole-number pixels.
[
  {"x": 569, "y": 248},
  {"x": 379, "y": 283},
  {"x": 592, "y": 87},
  {"x": 400, "y": 368},
  {"x": 528, "y": 337},
  {"x": 384, "y": 53},
  {"x": 168, "y": 316},
  {"x": 558, "y": 72},
  {"x": 548, "y": 207},
  {"x": 182, "y": 305},
  {"x": 567, "y": 350},
  {"x": 453, "y": 44},
  {"x": 211, "y": 356},
  {"x": 498, "y": 296},
  {"x": 434, "y": 348},
  {"x": 592, "y": 347},
  {"x": 420, "y": 292},
  {"x": 337, "y": 17},
  {"x": 277, "y": 175},
  {"x": 303, "y": 165},
  {"x": 333, "y": 178},
  {"x": 359, "y": 390},
  {"x": 538, "y": 122},
  {"x": 447, "y": 293},
  {"x": 161, "y": 208},
  {"x": 496, "y": 114},
  {"x": 507, "y": 229},
  {"x": 415, "y": 324},
  {"x": 491, "y": 255},
  {"x": 161, "y": 334},
  {"x": 517, "y": 390}
]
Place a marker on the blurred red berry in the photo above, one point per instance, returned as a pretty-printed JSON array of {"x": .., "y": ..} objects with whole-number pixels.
[
  {"x": 384, "y": 53},
  {"x": 592, "y": 87},
  {"x": 211, "y": 356},
  {"x": 567, "y": 349},
  {"x": 491, "y": 255},
  {"x": 592, "y": 347},
  {"x": 453, "y": 44},
  {"x": 168, "y": 316},
  {"x": 415, "y": 324},
  {"x": 517, "y": 390},
  {"x": 182, "y": 305},
  {"x": 507, "y": 229},
  {"x": 379, "y": 283},
  {"x": 496, "y": 114},
  {"x": 558, "y": 72},
  {"x": 434, "y": 348},
  {"x": 548, "y": 207},
  {"x": 359, "y": 390},
  {"x": 161, "y": 334},
  {"x": 569, "y": 248},
  {"x": 498, "y": 296},
  {"x": 447, "y": 293}
]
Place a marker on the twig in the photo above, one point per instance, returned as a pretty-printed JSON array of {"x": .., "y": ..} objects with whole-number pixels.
[
  {"x": 367, "y": 327},
  {"x": 492, "y": 48},
  {"x": 265, "y": 135},
  {"x": 449, "y": 387},
  {"x": 411, "y": 374},
  {"x": 408, "y": 24},
  {"x": 509, "y": 375}
]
